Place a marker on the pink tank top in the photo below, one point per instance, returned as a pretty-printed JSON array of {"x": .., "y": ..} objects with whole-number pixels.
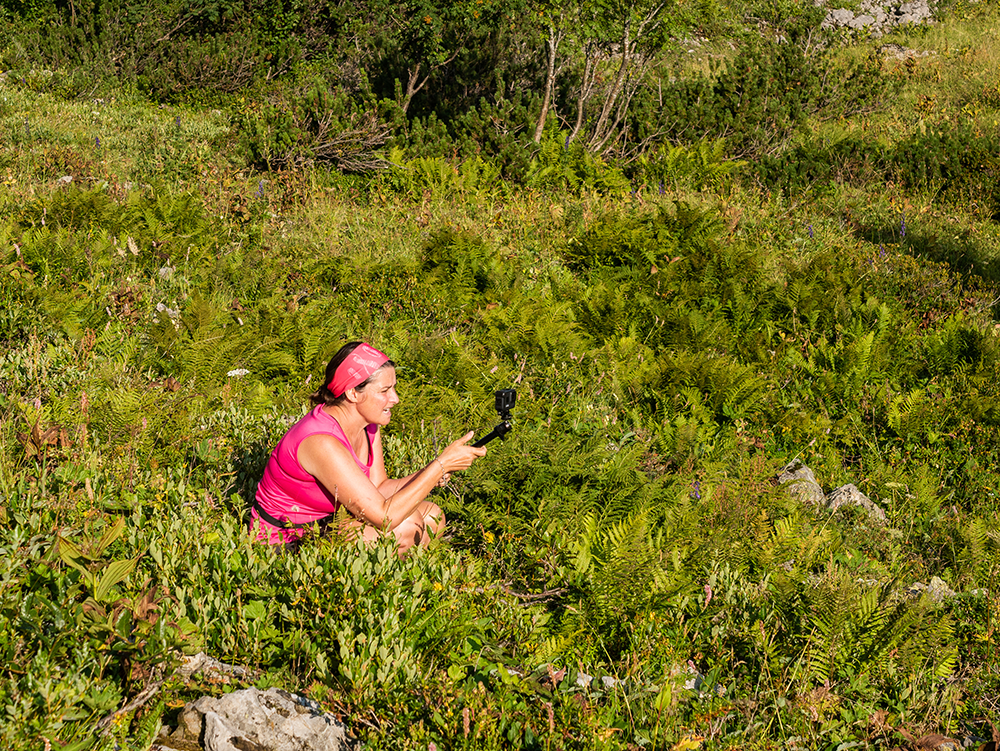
[{"x": 289, "y": 493}]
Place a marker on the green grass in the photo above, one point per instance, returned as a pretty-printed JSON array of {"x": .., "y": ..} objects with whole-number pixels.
[
  {"x": 671, "y": 352},
  {"x": 120, "y": 143}
]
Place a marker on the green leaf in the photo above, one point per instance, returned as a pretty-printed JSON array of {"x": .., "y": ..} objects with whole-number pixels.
[
  {"x": 111, "y": 534},
  {"x": 114, "y": 573},
  {"x": 73, "y": 556},
  {"x": 254, "y": 610},
  {"x": 323, "y": 665},
  {"x": 664, "y": 698},
  {"x": 80, "y": 745}
]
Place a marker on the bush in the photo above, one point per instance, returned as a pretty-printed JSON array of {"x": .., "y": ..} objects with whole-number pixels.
[
  {"x": 172, "y": 51},
  {"x": 560, "y": 165},
  {"x": 493, "y": 129},
  {"x": 959, "y": 164},
  {"x": 821, "y": 166},
  {"x": 311, "y": 122}
]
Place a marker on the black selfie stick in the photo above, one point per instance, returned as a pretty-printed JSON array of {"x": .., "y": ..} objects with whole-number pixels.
[{"x": 505, "y": 399}]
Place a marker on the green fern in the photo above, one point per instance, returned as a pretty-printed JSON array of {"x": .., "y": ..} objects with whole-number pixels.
[
  {"x": 701, "y": 165},
  {"x": 906, "y": 415},
  {"x": 849, "y": 629},
  {"x": 626, "y": 570},
  {"x": 731, "y": 390}
]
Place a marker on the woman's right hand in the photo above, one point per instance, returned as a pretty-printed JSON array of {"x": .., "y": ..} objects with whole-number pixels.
[{"x": 459, "y": 455}]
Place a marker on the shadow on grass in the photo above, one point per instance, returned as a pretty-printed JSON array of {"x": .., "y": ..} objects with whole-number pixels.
[
  {"x": 248, "y": 467},
  {"x": 961, "y": 249}
]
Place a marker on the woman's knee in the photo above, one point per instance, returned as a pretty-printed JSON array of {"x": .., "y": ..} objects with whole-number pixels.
[
  {"x": 413, "y": 531},
  {"x": 434, "y": 519},
  {"x": 423, "y": 524}
]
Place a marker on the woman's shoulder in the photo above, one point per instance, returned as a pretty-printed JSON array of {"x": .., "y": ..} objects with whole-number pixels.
[
  {"x": 314, "y": 422},
  {"x": 319, "y": 419}
]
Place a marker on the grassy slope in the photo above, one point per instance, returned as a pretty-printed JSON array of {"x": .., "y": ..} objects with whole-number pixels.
[{"x": 696, "y": 558}]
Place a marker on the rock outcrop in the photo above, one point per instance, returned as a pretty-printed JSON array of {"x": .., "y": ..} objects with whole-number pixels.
[
  {"x": 271, "y": 720},
  {"x": 849, "y": 495},
  {"x": 937, "y": 590},
  {"x": 878, "y": 18},
  {"x": 802, "y": 485}
]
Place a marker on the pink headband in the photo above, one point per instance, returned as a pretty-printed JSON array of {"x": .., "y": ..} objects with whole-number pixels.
[{"x": 356, "y": 369}]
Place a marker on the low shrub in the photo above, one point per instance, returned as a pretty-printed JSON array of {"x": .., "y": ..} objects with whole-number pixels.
[
  {"x": 562, "y": 165},
  {"x": 961, "y": 165},
  {"x": 819, "y": 167},
  {"x": 310, "y": 122}
]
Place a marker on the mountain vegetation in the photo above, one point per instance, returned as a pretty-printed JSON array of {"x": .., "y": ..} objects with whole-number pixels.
[{"x": 702, "y": 241}]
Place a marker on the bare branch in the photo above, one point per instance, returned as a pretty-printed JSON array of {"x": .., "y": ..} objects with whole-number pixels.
[
  {"x": 550, "y": 79},
  {"x": 412, "y": 87}
]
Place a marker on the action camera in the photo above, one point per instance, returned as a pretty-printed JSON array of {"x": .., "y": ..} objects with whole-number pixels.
[{"x": 505, "y": 400}]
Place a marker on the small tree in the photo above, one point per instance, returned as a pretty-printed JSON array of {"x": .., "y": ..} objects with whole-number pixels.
[
  {"x": 607, "y": 44},
  {"x": 423, "y": 37}
]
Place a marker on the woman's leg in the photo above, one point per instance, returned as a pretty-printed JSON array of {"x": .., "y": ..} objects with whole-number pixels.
[
  {"x": 355, "y": 528},
  {"x": 426, "y": 520}
]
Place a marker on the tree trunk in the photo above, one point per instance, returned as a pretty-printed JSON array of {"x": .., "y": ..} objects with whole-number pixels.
[
  {"x": 412, "y": 87},
  {"x": 413, "y": 76},
  {"x": 586, "y": 86},
  {"x": 619, "y": 97},
  {"x": 599, "y": 135},
  {"x": 550, "y": 81}
]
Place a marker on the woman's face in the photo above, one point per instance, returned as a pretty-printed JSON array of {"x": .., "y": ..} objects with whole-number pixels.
[{"x": 379, "y": 397}]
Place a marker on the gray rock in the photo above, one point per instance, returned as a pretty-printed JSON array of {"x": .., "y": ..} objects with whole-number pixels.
[
  {"x": 838, "y": 17},
  {"x": 876, "y": 10},
  {"x": 695, "y": 681},
  {"x": 916, "y": 13},
  {"x": 879, "y": 16},
  {"x": 937, "y": 590},
  {"x": 849, "y": 495},
  {"x": 584, "y": 680},
  {"x": 173, "y": 313},
  {"x": 801, "y": 483},
  {"x": 974, "y": 741},
  {"x": 211, "y": 668},
  {"x": 253, "y": 720},
  {"x": 898, "y": 52}
]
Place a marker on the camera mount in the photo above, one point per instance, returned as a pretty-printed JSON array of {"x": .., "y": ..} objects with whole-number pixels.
[{"x": 505, "y": 400}]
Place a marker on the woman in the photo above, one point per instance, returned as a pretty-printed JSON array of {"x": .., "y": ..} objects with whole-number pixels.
[{"x": 332, "y": 459}]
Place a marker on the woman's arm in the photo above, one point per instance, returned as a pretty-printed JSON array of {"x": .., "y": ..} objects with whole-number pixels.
[
  {"x": 330, "y": 462},
  {"x": 391, "y": 487},
  {"x": 386, "y": 485}
]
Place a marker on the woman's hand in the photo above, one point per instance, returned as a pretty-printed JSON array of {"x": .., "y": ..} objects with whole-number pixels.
[{"x": 459, "y": 455}]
